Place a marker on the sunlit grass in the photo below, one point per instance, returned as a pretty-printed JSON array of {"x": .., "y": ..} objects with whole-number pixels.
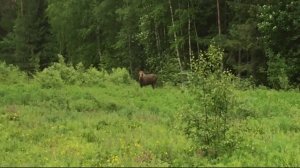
[
  {"x": 125, "y": 125},
  {"x": 89, "y": 126}
]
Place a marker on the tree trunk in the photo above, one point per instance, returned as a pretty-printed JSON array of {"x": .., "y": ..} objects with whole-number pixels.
[
  {"x": 195, "y": 28},
  {"x": 130, "y": 56},
  {"x": 189, "y": 32},
  {"x": 239, "y": 63},
  {"x": 219, "y": 20},
  {"x": 157, "y": 39},
  {"x": 198, "y": 48},
  {"x": 165, "y": 36},
  {"x": 22, "y": 8},
  {"x": 175, "y": 37},
  {"x": 98, "y": 44},
  {"x": 181, "y": 32}
]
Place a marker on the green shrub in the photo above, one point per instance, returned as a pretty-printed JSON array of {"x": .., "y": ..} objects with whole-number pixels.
[
  {"x": 93, "y": 77},
  {"x": 60, "y": 73},
  {"x": 67, "y": 72},
  {"x": 208, "y": 62},
  {"x": 170, "y": 73},
  {"x": 243, "y": 84},
  {"x": 49, "y": 78},
  {"x": 84, "y": 105},
  {"x": 277, "y": 71},
  {"x": 57, "y": 75},
  {"x": 11, "y": 74},
  {"x": 119, "y": 76},
  {"x": 207, "y": 119}
]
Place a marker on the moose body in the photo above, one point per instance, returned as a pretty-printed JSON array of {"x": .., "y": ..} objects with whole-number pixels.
[{"x": 147, "y": 79}]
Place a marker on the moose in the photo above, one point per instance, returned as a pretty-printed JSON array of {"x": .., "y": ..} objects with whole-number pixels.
[{"x": 147, "y": 79}]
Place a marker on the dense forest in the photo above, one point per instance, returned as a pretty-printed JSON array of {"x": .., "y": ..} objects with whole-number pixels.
[
  {"x": 156, "y": 83},
  {"x": 261, "y": 39}
]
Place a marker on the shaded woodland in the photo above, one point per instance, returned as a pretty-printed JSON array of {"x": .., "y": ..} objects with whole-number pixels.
[{"x": 261, "y": 39}]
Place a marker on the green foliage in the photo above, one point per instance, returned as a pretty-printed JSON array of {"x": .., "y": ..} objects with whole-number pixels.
[
  {"x": 60, "y": 73},
  {"x": 31, "y": 31},
  {"x": 208, "y": 121},
  {"x": 82, "y": 123},
  {"x": 277, "y": 71},
  {"x": 170, "y": 72},
  {"x": 140, "y": 35},
  {"x": 75, "y": 32},
  {"x": 49, "y": 78},
  {"x": 119, "y": 76},
  {"x": 7, "y": 49},
  {"x": 208, "y": 62},
  {"x": 84, "y": 110},
  {"x": 279, "y": 25},
  {"x": 94, "y": 77},
  {"x": 242, "y": 84},
  {"x": 10, "y": 74},
  {"x": 123, "y": 125}
]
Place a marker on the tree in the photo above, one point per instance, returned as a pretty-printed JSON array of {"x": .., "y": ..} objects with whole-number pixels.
[
  {"x": 279, "y": 25},
  {"x": 245, "y": 54},
  {"x": 31, "y": 30},
  {"x": 8, "y": 15},
  {"x": 75, "y": 30}
]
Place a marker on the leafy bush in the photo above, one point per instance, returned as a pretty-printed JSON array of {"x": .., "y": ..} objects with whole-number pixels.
[
  {"x": 82, "y": 105},
  {"x": 93, "y": 77},
  {"x": 67, "y": 72},
  {"x": 49, "y": 78},
  {"x": 277, "y": 71},
  {"x": 119, "y": 75},
  {"x": 243, "y": 84},
  {"x": 11, "y": 74},
  {"x": 170, "y": 72},
  {"x": 57, "y": 75},
  {"x": 206, "y": 120},
  {"x": 60, "y": 73},
  {"x": 208, "y": 62}
]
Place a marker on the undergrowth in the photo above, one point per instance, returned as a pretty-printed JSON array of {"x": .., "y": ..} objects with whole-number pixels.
[{"x": 111, "y": 121}]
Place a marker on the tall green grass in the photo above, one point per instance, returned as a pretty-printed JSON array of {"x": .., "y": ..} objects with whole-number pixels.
[
  {"x": 121, "y": 124},
  {"x": 89, "y": 126}
]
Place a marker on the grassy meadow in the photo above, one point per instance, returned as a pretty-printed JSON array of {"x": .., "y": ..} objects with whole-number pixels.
[{"x": 113, "y": 124}]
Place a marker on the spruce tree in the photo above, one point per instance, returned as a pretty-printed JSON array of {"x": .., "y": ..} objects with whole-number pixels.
[{"x": 31, "y": 30}]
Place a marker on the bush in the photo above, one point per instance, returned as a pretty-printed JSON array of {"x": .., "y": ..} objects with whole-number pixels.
[
  {"x": 206, "y": 120},
  {"x": 57, "y": 75},
  {"x": 243, "y": 84},
  {"x": 11, "y": 74},
  {"x": 119, "y": 76},
  {"x": 68, "y": 73},
  {"x": 277, "y": 71},
  {"x": 170, "y": 72},
  {"x": 60, "y": 73},
  {"x": 49, "y": 78},
  {"x": 93, "y": 77}
]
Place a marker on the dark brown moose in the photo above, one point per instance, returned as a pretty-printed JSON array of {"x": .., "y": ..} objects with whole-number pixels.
[{"x": 147, "y": 79}]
